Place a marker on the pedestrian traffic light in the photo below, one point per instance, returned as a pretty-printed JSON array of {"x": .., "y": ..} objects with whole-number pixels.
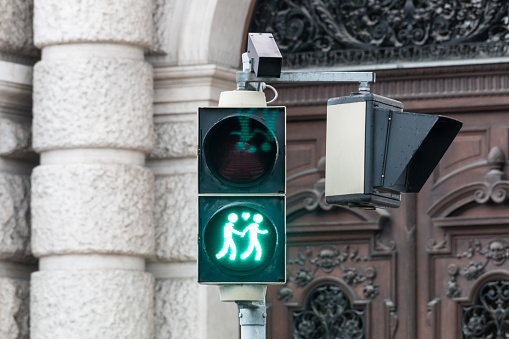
[
  {"x": 375, "y": 151},
  {"x": 241, "y": 195}
]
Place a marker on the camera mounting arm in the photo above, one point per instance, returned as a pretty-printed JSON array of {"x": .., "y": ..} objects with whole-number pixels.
[
  {"x": 247, "y": 80},
  {"x": 263, "y": 61}
]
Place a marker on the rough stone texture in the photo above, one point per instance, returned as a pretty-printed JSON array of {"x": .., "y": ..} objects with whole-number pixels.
[
  {"x": 174, "y": 140},
  {"x": 14, "y": 216},
  {"x": 176, "y": 217},
  {"x": 15, "y": 138},
  {"x": 92, "y": 208},
  {"x": 92, "y": 304},
  {"x": 160, "y": 12},
  {"x": 70, "y": 21},
  {"x": 176, "y": 305},
  {"x": 16, "y": 34},
  {"x": 95, "y": 102},
  {"x": 14, "y": 311}
]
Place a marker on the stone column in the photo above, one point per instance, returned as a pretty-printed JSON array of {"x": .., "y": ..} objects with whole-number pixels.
[
  {"x": 92, "y": 196},
  {"x": 17, "y": 55}
]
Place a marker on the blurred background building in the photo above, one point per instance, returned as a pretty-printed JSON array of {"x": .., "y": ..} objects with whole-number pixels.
[{"x": 98, "y": 137}]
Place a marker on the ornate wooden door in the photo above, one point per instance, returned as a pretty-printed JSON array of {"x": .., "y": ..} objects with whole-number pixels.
[{"x": 438, "y": 267}]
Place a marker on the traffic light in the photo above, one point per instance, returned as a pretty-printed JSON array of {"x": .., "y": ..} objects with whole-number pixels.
[
  {"x": 375, "y": 151},
  {"x": 241, "y": 195}
]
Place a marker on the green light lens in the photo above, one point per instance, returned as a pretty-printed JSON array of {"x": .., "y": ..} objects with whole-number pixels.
[{"x": 240, "y": 239}]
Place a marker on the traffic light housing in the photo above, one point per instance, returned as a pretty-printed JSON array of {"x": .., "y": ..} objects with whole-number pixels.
[
  {"x": 241, "y": 195},
  {"x": 375, "y": 151}
]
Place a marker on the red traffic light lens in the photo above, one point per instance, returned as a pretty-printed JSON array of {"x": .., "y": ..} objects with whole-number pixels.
[{"x": 240, "y": 150}]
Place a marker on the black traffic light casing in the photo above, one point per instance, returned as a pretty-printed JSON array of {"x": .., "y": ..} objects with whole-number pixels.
[
  {"x": 241, "y": 189},
  {"x": 375, "y": 151},
  {"x": 225, "y": 168}
]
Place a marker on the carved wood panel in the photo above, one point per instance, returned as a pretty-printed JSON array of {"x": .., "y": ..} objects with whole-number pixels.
[
  {"x": 419, "y": 271},
  {"x": 468, "y": 233}
]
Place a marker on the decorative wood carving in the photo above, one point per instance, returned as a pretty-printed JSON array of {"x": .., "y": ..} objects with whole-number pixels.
[
  {"x": 446, "y": 212},
  {"x": 327, "y": 258},
  {"x": 321, "y": 258},
  {"x": 311, "y": 198},
  {"x": 328, "y": 314},
  {"x": 444, "y": 223},
  {"x": 327, "y": 32},
  {"x": 495, "y": 251},
  {"x": 488, "y": 317}
]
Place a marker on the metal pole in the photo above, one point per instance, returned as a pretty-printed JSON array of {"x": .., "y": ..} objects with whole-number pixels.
[
  {"x": 246, "y": 80},
  {"x": 253, "y": 318}
]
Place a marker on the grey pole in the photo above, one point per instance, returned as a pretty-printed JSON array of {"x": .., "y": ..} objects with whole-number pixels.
[
  {"x": 247, "y": 80},
  {"x": 253, "y": 318}
]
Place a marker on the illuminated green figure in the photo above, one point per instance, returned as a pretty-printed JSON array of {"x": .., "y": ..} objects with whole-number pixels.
[
  {"x": 253, "y": 238},
  {"x": 228, "y": 240}
]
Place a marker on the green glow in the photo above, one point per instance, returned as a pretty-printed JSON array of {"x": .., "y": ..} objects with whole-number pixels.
[
  {"x": 266, "y": 147},
  {"x": 253, "y": 238},
  {"x": 253, "y": 229},
  {"x": 240, "y": 239},
  {"x": 229, "y": 244}
]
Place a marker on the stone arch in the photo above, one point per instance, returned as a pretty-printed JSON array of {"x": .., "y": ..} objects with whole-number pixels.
[{"x": 198, "y": 32}]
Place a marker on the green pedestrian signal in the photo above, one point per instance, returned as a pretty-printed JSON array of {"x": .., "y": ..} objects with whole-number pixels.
[
  {"x": 253, "y": 237},
  {"x": 240, "y": 239},
  {"x": 241, "y": 195},
  {"x": 229, "y": 244}
]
